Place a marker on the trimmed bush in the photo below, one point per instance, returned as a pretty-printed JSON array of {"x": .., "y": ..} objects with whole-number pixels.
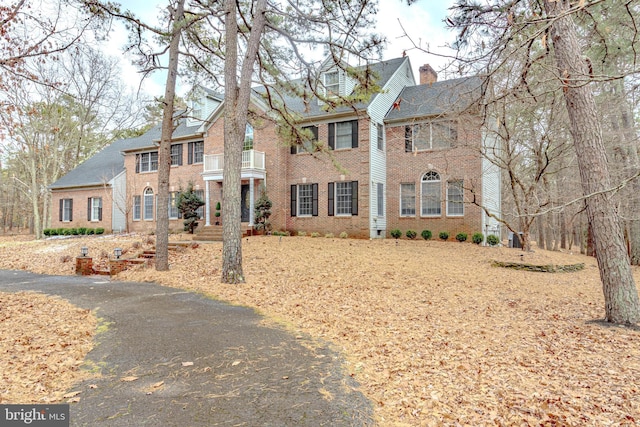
[
  {"x": 344, "y": 235},
  {"x": 302, "y": 233},
  {"x": 74, "y": 231},
  {"x": 411, "y": 234},
  {"x": 99, "y": 230},
  {"x": 82, "y": 230},
  {"x": 395, "y": 233},
  {"x": 315, "y": 234},
  {"x": 426, "y": 234},
  {"x": 477, "y": 238},
  {"x": 91, "y": 231},
  {"x": 329, "y": 236},
  {"x": 60, "y": 232},
  {"x": 492, "y": 240},
  {"x": 461, "y": 237},
  {"x": 444, "y": 235}
]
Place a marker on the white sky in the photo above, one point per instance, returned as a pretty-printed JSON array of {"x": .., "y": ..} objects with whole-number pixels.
[{"x": 423, "y": 22}]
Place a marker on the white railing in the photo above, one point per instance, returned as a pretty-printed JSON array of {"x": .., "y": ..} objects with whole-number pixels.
[{"x": 251, "y": 159}]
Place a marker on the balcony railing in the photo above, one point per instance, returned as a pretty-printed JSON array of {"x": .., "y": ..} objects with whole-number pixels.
[{"x": 251, "y": 159}]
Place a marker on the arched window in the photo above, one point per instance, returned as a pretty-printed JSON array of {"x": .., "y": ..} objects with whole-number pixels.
[
  {"x": 431, "y": 194},
  {"x": 248, "y": 138},
  {"x": 148, "y": 204}
]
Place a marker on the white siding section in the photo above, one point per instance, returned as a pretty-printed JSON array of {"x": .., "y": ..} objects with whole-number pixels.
[
  {"x": 204, "y": 107},
  {"x": 378, "y": 159},
  {"x": 491, "y": 187},
  {"x": 119, "y": 205}
]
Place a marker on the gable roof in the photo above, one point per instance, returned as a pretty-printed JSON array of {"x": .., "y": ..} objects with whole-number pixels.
[
  {"x": 103, "y": 166},
  {"x": 384, "y": 70},
  {"x": 436, "y": 99}
]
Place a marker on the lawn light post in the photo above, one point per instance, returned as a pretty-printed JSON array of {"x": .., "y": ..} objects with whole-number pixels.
[
  {"x": 117, "y": 252},
  {"x": 84, "y": 263},
  {"x": 116, "y": 265}
]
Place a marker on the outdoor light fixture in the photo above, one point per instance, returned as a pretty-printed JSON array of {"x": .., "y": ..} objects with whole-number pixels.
[
  {"x": 84, "y": 251},
  {"x": 117, "y": 252}
]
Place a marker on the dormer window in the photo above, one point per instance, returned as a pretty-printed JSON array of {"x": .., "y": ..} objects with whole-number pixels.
[{"x": 332, "y": 83}]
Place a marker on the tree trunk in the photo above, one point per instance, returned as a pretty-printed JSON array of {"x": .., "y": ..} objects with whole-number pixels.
[
  {"x": 619, "y": 288},
  {"x": 164, "y": 151},
  {"x": 236, "y": 107},
  {"x": 540, "y": 226}
]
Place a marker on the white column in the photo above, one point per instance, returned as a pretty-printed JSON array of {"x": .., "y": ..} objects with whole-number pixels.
[
  {"x": 207, "y": 204},
  {"x": 251, "y": 202}
]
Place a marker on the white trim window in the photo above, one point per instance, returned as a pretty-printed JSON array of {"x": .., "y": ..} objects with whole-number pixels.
[
  {"x": 431, "y": 136},
  {"x": 408, "y": 199},
  {"x": 305, "y": 199},
  {"x": 331, "y": 83},
  {"x": 137, "y": 208},
  {"x": 248, "y": 138},
  {"x": 455, "y": 198},
  {"x": 173, "y": 205},
  {"x": 343, "y": 198},
  {"x": 147, "y": 162},
  {"x": 431, "y": 198},
  {"x": 176, "y": 154},
  {"x": 95, "y": 209},
  {"x": 195, "y": 152},
  {"x": 66, "y": 210},
  {"x": 148, "y": 204},
  {"x": 380, "y": 199},
  {"x": 380, "y": 136}
]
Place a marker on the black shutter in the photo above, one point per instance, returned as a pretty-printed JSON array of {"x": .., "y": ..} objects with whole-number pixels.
[
  {"x": 60, "y": 210},
  {"x": 314, "y": 204},
  {"x": 180, "y": 155},
  {"x": 354, "y": 134},
  {"x": 89, "y": 209},
  {"x": 137, "y": 163},
  {"x": 294, "y": 149},
  {"x": 332, "y": 136},
  {"x": 190, "y": 150},
  {"x": 314, "y": 131},
  {"x": 408, "y": 145},
  {"x": 354, "y": 197},
  {"x": 294, "y": 200},
  {"x": 70, "y": 209},
  {"x": 331, "y": 187},
  {"x": 100, "y": 211}
]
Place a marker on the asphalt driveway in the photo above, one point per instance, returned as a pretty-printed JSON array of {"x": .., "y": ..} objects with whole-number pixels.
[{"x": 216, "y": 364}]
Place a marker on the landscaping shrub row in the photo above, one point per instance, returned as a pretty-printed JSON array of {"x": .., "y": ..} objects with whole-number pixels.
[
  {"x": 476, "y": 238},
  {"x": 80, "y": 231}
]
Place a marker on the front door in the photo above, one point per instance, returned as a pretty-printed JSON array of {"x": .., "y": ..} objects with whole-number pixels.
[{"x": 244, "y": 199}]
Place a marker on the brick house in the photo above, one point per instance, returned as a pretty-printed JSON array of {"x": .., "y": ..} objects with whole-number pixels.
[{"x": 408, "y": 158}]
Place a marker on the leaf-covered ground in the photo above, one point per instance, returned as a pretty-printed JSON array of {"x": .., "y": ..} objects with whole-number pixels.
[{"x": 431, "y": 330}]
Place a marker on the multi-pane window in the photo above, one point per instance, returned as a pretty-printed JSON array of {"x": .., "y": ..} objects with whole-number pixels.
[
  {"x": 305, "y": 199},
  {"x": 95, "y": 209},
  {"x": 332, "y": 83},
  {"x": 176, "y": 154},
  {"x": 307, "y": 146},
  {"x": 343, "y": 135},
  {"x": 408, "y": 199},
  {"x": 148, "y": 204},
  {"x": 147, "y": 162},
  {"x": 173, "y": 205},
  {"x": 455, "y": 195},
  {"x": 66, "y": 210},
  {"x": 200, "y": 210},
  {"x": 380, "y": 136},
  {"x": 137, "y": 208},
  {"x": 431, "y": 194},
  {"x": 430, "y": 136},
  {"x": 196, "y": 152},
  {"x": 343, "y": 198},
  {"x": 248, "y": 138},
  {"x": 380, "y": 198}
]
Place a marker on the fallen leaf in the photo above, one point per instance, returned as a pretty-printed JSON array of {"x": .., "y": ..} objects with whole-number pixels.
[{"x": 128, "y": 379}]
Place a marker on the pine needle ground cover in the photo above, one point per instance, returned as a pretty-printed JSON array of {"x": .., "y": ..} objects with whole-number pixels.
[{"x": 433, "y": 331}]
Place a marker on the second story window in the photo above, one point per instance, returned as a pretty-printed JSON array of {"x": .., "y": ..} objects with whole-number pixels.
[
  {"x": 176, "y": 154},
  {"x": 147, "y": 162},
  {"x": 332, "y": 83},
  {"x": 195, "y": 152},
  {"x": 343, "y": 135},
  {"x": 248, "y": 138}
]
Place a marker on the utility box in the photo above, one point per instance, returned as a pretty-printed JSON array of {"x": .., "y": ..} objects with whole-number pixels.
[{"x": 515, "y": 240}]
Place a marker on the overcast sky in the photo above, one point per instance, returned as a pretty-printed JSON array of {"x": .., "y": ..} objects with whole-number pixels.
[{"x": 423, "y": 22}]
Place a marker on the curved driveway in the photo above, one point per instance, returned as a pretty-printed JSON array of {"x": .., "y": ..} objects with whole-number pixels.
[{"x": 199, "y": 362}]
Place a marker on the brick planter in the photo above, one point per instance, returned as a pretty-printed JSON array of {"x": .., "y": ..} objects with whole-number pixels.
[
  {"x": 116, "y": 266},
  {"x": 84, "y": 266}
]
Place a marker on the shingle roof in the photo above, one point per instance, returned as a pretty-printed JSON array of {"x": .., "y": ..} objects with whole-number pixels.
[
  {"x": 108, "y": 163},
  {"x": 444, "y": 97},
  {"x": 383, "y": 70}
]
